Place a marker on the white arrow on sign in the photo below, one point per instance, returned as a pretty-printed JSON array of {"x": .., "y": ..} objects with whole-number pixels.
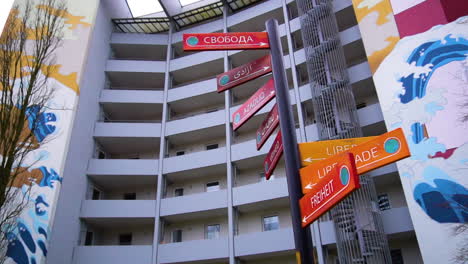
[
  {"x": 304, "y": 220},
  {"x": 309, "y": 186},
  {"x": 311, "y": 159},
  {"x": 246, "y": 76}
]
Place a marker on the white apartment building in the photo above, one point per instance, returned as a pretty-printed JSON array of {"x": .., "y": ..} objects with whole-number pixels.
[{"x": 154, "y": 173}]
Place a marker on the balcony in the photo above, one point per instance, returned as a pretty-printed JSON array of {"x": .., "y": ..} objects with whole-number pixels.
[
  {"x": 118, "y": 209},
  {"x": 194, "y": 203},
  {"x": 264, "y": 242},
  {"x": 113, "y": 254},
  {"x": 190, "y": 90},
  {"x": 397, "y": 220},
  {"x": 139, "y": 39},
  {"x": 135, "y": 74},
  {"x": 195, "y": 160},
  {"x": 136, "y": 66},
  {"x": 123, "y": 167},
  {"x": 262, "y": 191},
  {"x": 196, "y": 122},
  {"x": 129, "y": 96},
  {"x": 197, "y": 250},
  {"x": 128, "y": 130}
]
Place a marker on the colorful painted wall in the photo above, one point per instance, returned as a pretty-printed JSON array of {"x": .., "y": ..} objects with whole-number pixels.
[
  {"x": 418, "y": 52},
  {"x": 29, "y": 243}
]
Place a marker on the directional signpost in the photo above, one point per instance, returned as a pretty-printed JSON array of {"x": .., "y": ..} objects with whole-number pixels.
[
  {"x": 285, "y": 140},
  {"x": 334, "y": 186},
  {"x": 319, "y": 150},
  {"x": 243, "y": 73},
  {"x": 371, "y": 154},
  {"x": 226, "y": 41},
  {"x": 272, "y": 159},
  {"x": 331, "y": 168},
  {"x": 259, "y": 99},
  {"x": 267, "y": 127}
]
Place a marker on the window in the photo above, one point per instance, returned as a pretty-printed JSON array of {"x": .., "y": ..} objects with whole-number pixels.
[
  {"x": 270, "y": 223},
  {"x": 263, "y": 178},
  {"x": 212, "y": 231},
  {"x": 177, "y": 236},
  {"x": 180, "y": 153},
  {"x": 88, "y": 239},
  {"x": 179, "y": 192},
  {"x": 125, "y": 239},
  {"x": 212, "y": 186},
  {"x": 384, "y": 203},
  {"x": 129, "y": 196},
  {"x": 96, "y": 194},
  {"x": 397, "y": 257},
  {"x": 211, "y": 146},
  {"x": 361, "y": 105},
  {"x": 101, "y": 155}
]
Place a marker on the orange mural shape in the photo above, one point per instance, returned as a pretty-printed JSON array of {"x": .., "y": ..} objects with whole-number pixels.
[
  {"x": 27, "y": 178},
  {"x": 69, "y": 80},
  {"x": 364, "y": 7},
  {"x": 378, "y": 56},
  {"x": 70, "y": 19}
]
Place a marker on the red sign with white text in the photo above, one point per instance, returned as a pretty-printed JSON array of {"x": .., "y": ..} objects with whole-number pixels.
[
  {"x": 259, "y": 99},
  {"x": 267, "y": 127},
  {"x": 273, "y": 156},
  {"x": 243, "y": 73},
  {"x": 340, "y": 181},
  {"x": 226, "y": 41}
]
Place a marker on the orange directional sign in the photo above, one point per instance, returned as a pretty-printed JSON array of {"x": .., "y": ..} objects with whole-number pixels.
[
  {"x": 273, "y": 156},
  {"x": 243, "y": 73},
  {"x": 259, "y": 99},
  {"x": 226, "y": 41},
  {"x": 267, "y": 127},
  {"x": 311, "y": 152},
  {"x": 314, "y": 173},
  {"x": 340, "y": 181},
  {"x": 377, "y": 152}
]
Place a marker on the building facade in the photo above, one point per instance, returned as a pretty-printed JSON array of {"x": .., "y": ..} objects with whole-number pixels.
[{"x": 153, "y": 172}]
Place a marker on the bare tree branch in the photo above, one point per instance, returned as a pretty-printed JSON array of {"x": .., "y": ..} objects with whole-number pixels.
[{"x": 27, "y": 46}]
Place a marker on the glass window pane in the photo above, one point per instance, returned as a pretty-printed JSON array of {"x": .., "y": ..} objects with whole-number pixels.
[
  {"x": 177, "y": 236},
  {"x": 270, "y": 223},
  {"x": 212, "y": 231},
  {"x": 384, "y": 202},
  {"x": 212, "y": 186},
  {"x": 179, "y": 192}
]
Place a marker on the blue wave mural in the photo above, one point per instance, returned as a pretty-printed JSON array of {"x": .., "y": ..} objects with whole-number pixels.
[
  {"x": 29, "y": 240},
  {"x": 445, "y": 201},
  {"x": 437, "y": 53}
]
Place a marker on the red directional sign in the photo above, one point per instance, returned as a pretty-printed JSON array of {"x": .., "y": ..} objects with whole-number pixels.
[
  {"x": 259, "y": 99},
  {"x": 332, "y": 188},
  {"x": 272, "y": 159},
  {"x": 243, "y": 73},
  {"x": 268, "y": 126},
  {"x": 226, "y": 41}
]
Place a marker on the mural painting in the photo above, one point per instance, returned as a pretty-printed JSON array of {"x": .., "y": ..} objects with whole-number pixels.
[
  {"x": 423, "y": 88},
  {"x": 28, "y": 243},
  {"x": 422, "y": 84}
]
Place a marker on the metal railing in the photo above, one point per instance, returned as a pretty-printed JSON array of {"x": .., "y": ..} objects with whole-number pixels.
[{"x": 144, "y": 25}]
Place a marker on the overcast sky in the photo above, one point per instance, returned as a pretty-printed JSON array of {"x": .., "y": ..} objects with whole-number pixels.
[{"x": 5, "y": 6}]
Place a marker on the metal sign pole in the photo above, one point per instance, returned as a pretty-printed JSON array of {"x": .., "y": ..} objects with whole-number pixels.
[{"x": 302, "y": 237}]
